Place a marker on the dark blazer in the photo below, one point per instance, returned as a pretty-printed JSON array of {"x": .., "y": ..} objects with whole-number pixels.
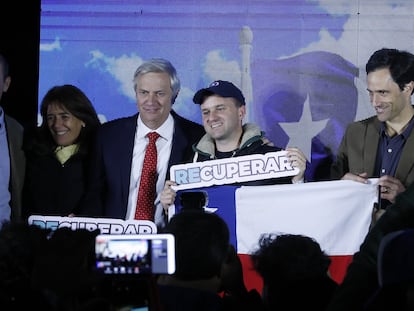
[
  {"x": 17, "y": 166},
  {"x": 358, "y": 150},
  {"x": 108, "y": 189},
  {"x": 51, "y": 188}
]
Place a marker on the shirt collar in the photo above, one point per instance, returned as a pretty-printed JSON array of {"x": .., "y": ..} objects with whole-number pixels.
[
  {"x": 408, "y": 129},
  {"x": 165, "y": 130},
  {"x": 404, "y": 133}
]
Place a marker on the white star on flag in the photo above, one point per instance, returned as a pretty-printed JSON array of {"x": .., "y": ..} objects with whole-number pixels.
[{"x": 301, "y": 133}]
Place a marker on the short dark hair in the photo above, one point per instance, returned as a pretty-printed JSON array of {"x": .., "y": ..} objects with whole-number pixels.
[
  {"x": 288, "y": 258},
  {"x": 202, "y": 243},
  {"x": 399, "y": 63}
]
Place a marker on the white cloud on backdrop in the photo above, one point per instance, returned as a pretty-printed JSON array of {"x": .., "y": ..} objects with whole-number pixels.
[
  {"x": 354, "y": 44},
  {"x": 50, "y": 47},
  {"x": 121, "y": 68}
]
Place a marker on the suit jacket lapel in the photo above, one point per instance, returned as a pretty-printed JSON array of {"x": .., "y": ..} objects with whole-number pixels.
[
  {"x": 371, "y": 146},
  {"x": 126, "y": 147},
  {"x": 406, "y": 161},
  {"x": 178, "y": 145}
]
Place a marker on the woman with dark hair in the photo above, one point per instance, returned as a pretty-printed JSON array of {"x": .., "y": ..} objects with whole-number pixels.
[{"x": 57, "y": 153}]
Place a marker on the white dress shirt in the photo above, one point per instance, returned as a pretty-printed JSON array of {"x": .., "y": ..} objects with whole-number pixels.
[{"x": 164, "y": 144}]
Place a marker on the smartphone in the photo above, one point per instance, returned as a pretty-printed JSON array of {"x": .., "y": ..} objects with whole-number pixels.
[{"x": 135, "y": 254}]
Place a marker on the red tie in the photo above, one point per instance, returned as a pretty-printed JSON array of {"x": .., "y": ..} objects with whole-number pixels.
[{"x": 147, "y": 189}]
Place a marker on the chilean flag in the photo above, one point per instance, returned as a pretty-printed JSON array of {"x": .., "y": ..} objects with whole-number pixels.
[{"x": 337, "y": 214}]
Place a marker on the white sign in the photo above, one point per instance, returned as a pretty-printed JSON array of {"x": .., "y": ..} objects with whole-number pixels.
[
  {"x": 105, "y": 225},
  {"x": 232, "y": 170}
]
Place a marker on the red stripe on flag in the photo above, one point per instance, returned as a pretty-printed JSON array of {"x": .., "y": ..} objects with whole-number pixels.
[
  {"x": 253, "y": 280},
  {"x": 338, "y": 267}
]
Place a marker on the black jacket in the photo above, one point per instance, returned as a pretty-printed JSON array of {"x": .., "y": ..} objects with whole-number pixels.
[
  {"x": 251, "y": 143},
  {"x": 52, "y": 188}
]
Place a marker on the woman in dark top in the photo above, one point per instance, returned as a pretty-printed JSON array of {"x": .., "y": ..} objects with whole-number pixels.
[{"x": 57, "y": 153}]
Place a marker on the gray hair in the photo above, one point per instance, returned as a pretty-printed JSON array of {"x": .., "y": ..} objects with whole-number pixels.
[{"x": 159, "y": 65}]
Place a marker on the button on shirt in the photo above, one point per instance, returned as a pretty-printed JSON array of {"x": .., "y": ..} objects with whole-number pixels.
[
  {"x": 390, "y": 149},
  {"x": 4, "y": 171},
  {"x": 163, "y": 150}
]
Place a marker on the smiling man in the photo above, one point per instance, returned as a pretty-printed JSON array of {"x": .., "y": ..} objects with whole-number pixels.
[
  {"x": 223, "y": 109},
  {"x": 118, "y": 161},
  {"x": 382, "y": 145}
]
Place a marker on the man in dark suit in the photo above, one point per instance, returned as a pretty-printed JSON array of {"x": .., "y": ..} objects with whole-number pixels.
[
  {"x": 12, "y": 159},
  {"x": 382, "y": 146},
  {"x": 117, "y": 160}
]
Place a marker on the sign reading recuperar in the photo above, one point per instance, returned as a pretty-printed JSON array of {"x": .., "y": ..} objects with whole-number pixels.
[
  {"x": 105, "y": 225},
  {"x": 232, "y": 170}
]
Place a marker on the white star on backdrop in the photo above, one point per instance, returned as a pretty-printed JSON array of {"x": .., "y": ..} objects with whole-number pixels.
[{"x": 301, "y": 133}]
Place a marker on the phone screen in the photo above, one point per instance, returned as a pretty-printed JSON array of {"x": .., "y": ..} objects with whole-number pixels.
[{"x": 135, "y": 254}]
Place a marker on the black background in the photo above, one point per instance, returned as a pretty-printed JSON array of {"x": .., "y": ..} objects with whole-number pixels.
[{"x": 19, "y": 42}]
